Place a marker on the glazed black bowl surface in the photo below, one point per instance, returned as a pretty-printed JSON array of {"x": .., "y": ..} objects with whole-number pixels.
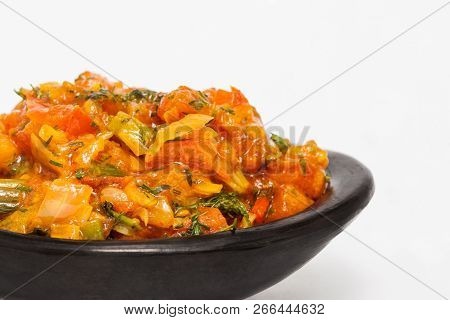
[{"x": 219, "y": 266}]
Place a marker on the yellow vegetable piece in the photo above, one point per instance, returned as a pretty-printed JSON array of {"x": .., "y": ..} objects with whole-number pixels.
[
  {"x": 65, "y": 231},
  {"x": 45, "y": 156},
  {"x": 20, "y": 222},
  {"x": 207, "y": 188},
  {"x": 132, "y": 132},
  {"x": 136, "y": 195},
  {"x": 161, "y": 215},
  {"x": 143, "y": 215},
  {"x": 65, "y": 202},
  {"x": 238, "y": 182},
  {"x": 92, "y": 230},
  {"x": 8, "y": 151},
  {"x": 53, "y": 136},
  {"x": 91, "y": 149},
  {"x": 179, "y": 129}
]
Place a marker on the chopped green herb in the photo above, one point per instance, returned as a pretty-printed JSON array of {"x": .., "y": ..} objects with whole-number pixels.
[
  {"x": 232, "y": 226},
  {"x": 282, "y": 144},
  {"x": 46, "y": 143},
  {"x": 105, "y": 169},
  {"x": 142, "y": 94},
  {"x": 198, "y": 104},
  {"x": 56, "y": 164},
  {"x": 154, "y": 190},
  {"x": 227, "y": 202},
  {"x": 97, "y": 95},
  {"x": 146, "y": 134},
  {"x": 80, "y": 173},
  {"x": 228, "y": 110},
  {"x": 188, "y": 174},
  {"x": 38, "y": 93},
  {"x": 196, "y": 228},
  {"x": 203, "y": 96},
  {"x": 94, "y": 125},
  {"x": 303, "y": 165},
  {"x": 20, "y": 94}
]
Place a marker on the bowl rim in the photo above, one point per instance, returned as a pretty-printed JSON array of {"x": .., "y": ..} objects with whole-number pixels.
[{"x": 342, "y": 169}]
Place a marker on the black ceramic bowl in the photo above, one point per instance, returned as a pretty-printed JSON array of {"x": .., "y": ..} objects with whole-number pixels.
[{"x": 219, "y": 266}]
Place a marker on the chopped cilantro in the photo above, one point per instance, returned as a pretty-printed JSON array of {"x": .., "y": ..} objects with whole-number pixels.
[{"x": 56, "y": 164}]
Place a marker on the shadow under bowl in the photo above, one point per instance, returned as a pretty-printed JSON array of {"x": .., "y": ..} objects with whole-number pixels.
[{"x": 219, "y": 266}]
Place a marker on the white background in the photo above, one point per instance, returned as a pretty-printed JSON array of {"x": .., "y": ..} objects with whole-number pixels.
[{"x": 391, "y": 112}]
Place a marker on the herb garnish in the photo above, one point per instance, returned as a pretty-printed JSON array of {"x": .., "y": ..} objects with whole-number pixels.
[
  {"x": 46, "y": 143},
  {"x": 197, "y": 104},
  {"x": 105, "y": 169},
  {"x": 228, "y": 203},
  {"x": 201, "y": 102},
  {"x": 188, "y": 174},
  {"x": 20, "y": 94},
  {"x": 154, "y": 190},
  {"x": 56, "y": 164},
  {"x": 80, "y": 173},
  {"x": 228, "y": 110},
  {"x": 196, "y": 228},
  {"x": 97, "y": 95},
  {"x": 303, "y": 164},
  {"x": 282, "y": 144},
  {"x": 120, "y": 217}
]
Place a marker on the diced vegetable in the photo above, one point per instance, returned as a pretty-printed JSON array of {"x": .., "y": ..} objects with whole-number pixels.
[
  {"x": 21, "y": 221},
  {"x": 143, "y": 215},
  {"x": 99, "y": 160},
  {"x": 89, "y": 150},
  {"x": 65, "y": 231},
  {"x": 92, "y": 230},
  {"x": 65, "y": 201},
  {"x": 161, "y": 215},
  {"x": 205, "y": 187},
  {"x": 136, "y": 135},
  {"x": 260, "y": 209},
  {"x": 236, "y": 181},
  {"x": 179, "y": 129},
  {"x": 42, "y": 154},
  {"x": 8, "y": 151},
  {"x": 212, "y": 219},
  {"x": 138, "y": 196},
  {"x": 288, "y": 200},
  {"x": 49, "y": 135},
  {"x": 117, "y": 197}
]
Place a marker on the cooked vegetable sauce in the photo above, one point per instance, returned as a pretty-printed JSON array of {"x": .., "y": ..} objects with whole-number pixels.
[{"x": 97, "y": 160}]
